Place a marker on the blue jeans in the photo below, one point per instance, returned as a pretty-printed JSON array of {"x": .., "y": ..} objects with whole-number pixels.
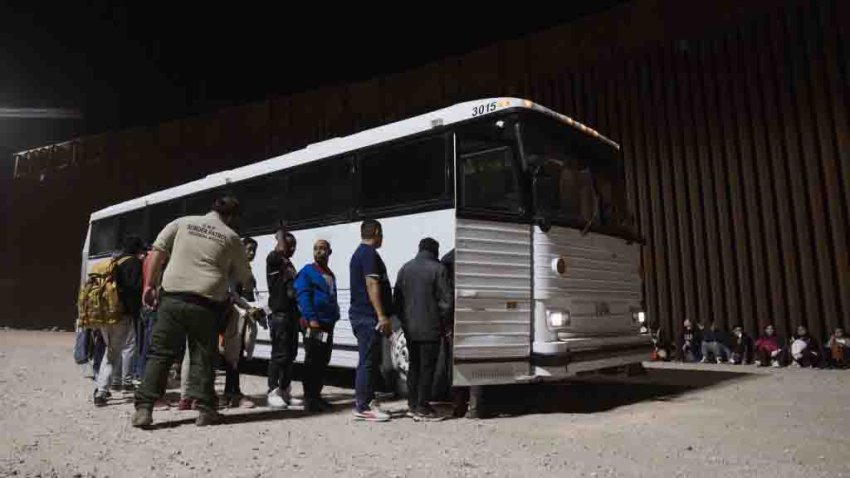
[
  {"x": 369, "y": 347},
  {"x": 144, "y": 339}
]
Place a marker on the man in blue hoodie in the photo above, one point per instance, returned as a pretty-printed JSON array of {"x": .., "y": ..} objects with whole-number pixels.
[{"x": 315, "y": 287}]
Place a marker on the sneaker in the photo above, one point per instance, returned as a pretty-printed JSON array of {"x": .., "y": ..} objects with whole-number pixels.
[
  {"x": 128, "y": 388},
  {"x": 704, "y": 360},
  {"x": 291, "y": 402},
  {"x": 276, "y": 401},
  {"x": 142, "y": 418},
  {"x": 371, "y": 415},
  {"x": 413, "y": 414},
  {"x": 207, "y": 417},
  {"x": 99, "y": 399},
  {"x": 429, "y": 415},
  {"x": 775, "y": 364},
  {"x": 161, "y": 405},
  {"x": 718, "y": 360},
  {"x": 186, "y": 403}
]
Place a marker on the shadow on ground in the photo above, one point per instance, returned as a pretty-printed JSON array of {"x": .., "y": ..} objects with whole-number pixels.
[
  {"x": 583, "y": 394},
  {"x": 595, "y": 394}
]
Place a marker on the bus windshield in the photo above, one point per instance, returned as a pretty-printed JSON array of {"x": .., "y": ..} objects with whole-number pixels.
[{"x": 578, "y": 179}]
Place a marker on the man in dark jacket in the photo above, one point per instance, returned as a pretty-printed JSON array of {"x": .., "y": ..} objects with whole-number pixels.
[
  {"x": 422, "y": 301},
  {"x": 284, "y": 320},
  {"x": 316, "y": 288}
]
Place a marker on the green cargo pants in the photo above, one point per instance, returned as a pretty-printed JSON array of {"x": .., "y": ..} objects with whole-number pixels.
[{"x": 176, "y": 322}]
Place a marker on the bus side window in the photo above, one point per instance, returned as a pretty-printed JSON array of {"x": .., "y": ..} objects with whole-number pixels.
[
  {"x": 487, "y": 173},
  {"x": 488, "y": 181},
  {"x": 319, "y": 190},
  {"x": 408, "y": 173},
  {"x": 104, "y": 236},
  {"x": 132, "y": 222},
  {"x": 161, "y": 214},
  {"x": 261, "y": 201},
  {"x": 201, "y": 202}
]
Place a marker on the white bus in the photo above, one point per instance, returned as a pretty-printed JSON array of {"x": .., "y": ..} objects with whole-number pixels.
[{"x": 547, "y": 274}]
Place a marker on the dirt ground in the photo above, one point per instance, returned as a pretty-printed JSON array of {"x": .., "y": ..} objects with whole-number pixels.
[{"x": 675, "y": 421}]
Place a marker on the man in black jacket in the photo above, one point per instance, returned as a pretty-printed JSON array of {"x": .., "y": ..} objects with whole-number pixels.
[
  {"x": 422, "y": 299},
  {"x": 283, "y": 322}
]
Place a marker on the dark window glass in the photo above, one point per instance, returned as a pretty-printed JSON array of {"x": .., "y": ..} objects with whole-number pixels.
[
  {"x": 261, "y": 201},
  {"x": 488, "y": 173},
  {"x": 584, "y": 176},
  {"x": 104, "y": 236},
  {"x": 161, "y": 214},
  {"x": 201, "y": 202},
  {"x": 132, "y": 222},
  {"x": 489, "y": 182},
  {"x": 407, "y": 173},
  {"x": 319, "y": 190}
]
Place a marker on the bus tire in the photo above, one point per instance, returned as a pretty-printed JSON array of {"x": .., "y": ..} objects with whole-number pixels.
[{"x": 395, "y": 363}]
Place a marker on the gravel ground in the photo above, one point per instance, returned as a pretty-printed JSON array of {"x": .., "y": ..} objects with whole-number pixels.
[{"x": 675, "y": 420}]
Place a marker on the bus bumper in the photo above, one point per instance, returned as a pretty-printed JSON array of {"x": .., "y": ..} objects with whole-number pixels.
[{"x": 570, "y": 356}]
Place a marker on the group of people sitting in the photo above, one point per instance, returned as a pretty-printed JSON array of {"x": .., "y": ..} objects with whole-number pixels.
[{"x": 700, "y": 344}]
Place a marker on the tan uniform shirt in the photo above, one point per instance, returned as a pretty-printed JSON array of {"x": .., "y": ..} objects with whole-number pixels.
[{"x": 204, "y": 254}]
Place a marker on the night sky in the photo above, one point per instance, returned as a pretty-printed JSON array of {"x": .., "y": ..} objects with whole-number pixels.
[{"x": 125, "y": 66}]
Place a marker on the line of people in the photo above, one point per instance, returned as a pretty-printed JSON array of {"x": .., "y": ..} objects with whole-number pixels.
[
  {"x": 192, "y": 295},
  {"x": 699, "y": 344}
]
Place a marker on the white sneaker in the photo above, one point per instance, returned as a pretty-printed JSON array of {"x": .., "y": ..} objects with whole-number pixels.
[
  {"x": 291, "y": 401},
  {"x": 775, "y": 364},
  {"x": 372, "y": 415},
  {"x": 275, "y": 400}
]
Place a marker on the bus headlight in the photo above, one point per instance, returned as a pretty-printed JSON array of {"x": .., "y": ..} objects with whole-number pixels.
[{"x": 557, "y": 318}]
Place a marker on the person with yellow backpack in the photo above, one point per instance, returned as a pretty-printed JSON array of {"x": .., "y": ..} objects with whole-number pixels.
[{"x": 110, "y": 301}]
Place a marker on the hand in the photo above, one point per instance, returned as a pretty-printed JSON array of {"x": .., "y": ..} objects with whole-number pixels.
[
  {"x": 150, "y": 297},
  {"x": 314, "y": 324},
  {"x": 385, "y": 326}
]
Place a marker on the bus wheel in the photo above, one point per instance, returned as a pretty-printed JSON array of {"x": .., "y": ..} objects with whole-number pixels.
[{"x": 396, "y": 363}]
